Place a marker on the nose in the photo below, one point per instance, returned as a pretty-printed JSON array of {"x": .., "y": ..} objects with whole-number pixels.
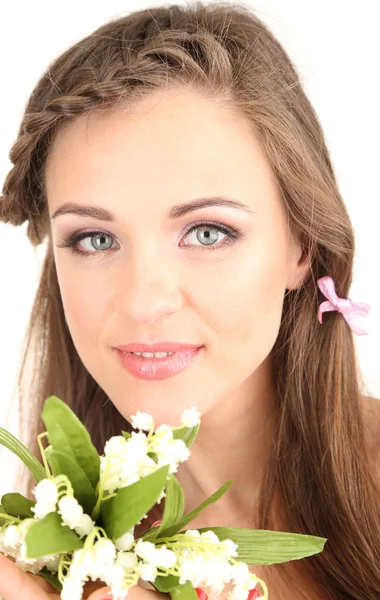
[{"x": 150, "y": 289}]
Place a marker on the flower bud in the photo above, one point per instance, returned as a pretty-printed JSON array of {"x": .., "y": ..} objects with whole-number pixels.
[
  {"x": 142, "y": 421},
  {"x": 125, "y": 542},
  {"x": 86, "y": 525},
  {"x": 46, "y": 491},
  {"x": 190, "y": 417},
  {"x": 70, "y": 510},
  {"x": 147, "y": 572}
]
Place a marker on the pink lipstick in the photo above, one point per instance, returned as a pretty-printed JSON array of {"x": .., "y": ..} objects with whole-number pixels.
[{"x": 158, "y": 368}]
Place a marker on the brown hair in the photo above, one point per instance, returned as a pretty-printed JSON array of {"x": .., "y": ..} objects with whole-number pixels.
[{"x": 320, "y": 465}]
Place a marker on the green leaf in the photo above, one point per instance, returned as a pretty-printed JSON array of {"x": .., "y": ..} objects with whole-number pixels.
[
  {"x": 14, "y": 445},
  {"x": 51, "y": 578},
  {"x": 165, "y": 584},
  {"x": 83, "y": 490},
  {"x": 17, "y": 505},
  {"x": 126, "y": 434},
  {"x": 67, "y": 432},
  {"x": 151, "y": 534},
  {"x": 187, "y": 434},
  {"x": 50, "y": 536},
  {"x": 264, "y": 547},
  {"x": 174, "y": 504},
  {"x": 121, "y": 512},
  {"x": 184, "y": 591}
]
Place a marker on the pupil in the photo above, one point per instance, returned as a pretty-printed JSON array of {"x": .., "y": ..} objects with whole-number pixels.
[
  {"x": 208, "y": 236},
  {"x": 100, "y": 240}
]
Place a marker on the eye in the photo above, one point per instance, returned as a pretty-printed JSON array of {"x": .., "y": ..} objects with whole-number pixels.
[
  {"x": 207, "y": 235},
  {"x": 101, "y": 241}
]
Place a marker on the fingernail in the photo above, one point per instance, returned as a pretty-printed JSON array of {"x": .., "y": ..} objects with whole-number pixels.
[
  {"x": 253, "y": 594},
  {"x": 156, "y": 523},
  {"x": 202, "y": 595}
]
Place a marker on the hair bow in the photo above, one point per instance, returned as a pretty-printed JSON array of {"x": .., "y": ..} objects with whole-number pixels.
[{"x": 347, "y": 307}]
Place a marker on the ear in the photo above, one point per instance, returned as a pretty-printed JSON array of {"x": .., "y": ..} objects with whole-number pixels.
[{"x": 298, "y": 264}]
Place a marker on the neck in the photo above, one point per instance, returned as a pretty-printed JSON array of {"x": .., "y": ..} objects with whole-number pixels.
[{"x": 232, "y": 444}]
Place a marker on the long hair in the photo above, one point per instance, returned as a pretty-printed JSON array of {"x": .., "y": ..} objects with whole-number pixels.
[{"x": 320, "y": 466}]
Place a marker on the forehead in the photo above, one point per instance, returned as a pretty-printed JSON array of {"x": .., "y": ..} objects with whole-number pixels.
[{"x": 169, "y": 146}]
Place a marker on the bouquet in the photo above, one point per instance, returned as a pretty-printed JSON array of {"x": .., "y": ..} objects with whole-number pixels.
[{"x": 81, "y": 525}]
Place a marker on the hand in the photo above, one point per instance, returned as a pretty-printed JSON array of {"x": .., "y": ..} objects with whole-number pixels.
[{"x": 15, "y": 584}]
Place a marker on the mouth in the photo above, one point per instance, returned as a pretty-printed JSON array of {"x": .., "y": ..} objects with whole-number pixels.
[{"x": 159, "y": 367}]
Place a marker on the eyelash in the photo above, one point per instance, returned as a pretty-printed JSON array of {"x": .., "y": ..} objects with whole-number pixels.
[{"x": 70, "y": 241}]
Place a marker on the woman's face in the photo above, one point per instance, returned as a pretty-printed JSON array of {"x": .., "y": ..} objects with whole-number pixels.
[{"x": 151, "y": 280}]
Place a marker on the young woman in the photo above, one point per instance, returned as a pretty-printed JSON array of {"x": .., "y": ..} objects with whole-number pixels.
[{"x": 181, "y": 178}]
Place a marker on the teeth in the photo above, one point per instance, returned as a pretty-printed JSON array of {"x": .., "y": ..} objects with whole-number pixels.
[{"x": 153, "y": 354}]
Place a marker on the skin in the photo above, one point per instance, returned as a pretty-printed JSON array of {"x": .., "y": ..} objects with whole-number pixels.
[{"x": 156, "y": 284}]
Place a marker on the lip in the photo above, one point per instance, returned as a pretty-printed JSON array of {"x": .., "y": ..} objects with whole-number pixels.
[
  {"x": 157, "y": 347},
  {"x": 158, "y": 368}
]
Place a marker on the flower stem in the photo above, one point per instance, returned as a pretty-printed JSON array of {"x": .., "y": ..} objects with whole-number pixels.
[
  {"x": 96, "y": 510},
  {"x": 9, "y": 518},
  {"x": 43, "y": 454}
]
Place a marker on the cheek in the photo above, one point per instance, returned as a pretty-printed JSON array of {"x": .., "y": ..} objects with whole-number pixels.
[
  {"x": 85, "y": 305},
  {"x": 244, "y": 299}
]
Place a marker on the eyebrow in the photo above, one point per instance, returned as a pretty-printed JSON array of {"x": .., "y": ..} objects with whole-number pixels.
[{"x": 177, "y": 211}]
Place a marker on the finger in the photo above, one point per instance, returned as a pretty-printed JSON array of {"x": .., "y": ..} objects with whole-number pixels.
[
  {"x": 135, "y": 593},
  {"x": 44, "y": 585},
  {"x": 14, "y": 583},
  {"x": 37, "y": 578}
]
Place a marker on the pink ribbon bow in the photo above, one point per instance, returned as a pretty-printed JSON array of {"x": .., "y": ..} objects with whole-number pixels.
[{"x": 347, "y": 307}]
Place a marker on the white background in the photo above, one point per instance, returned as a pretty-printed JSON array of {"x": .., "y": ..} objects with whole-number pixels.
[{"x": 336, "y": 47}]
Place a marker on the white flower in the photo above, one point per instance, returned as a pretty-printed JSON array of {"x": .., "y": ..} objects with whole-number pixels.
[
  {"x": 192, "y": 568},
  {"x": 164, "y": 431},
  {"x": 46, "y": 494},
  {"x": 127, "y": 560},
  {"x": 164, "y": 557},
  {"x": 72, "y": 589},
  {"x": 125, "y": 542},
  {"x": 161, "y": 445},
  {"x": 229, "y": 548},
  {"x": 95, "y": 566},
  {"x": 28, "y": 565},
  {"x": 80, "y": 564},
  {"x": 145, "y": 550},
  {"x": 137, "y": 446},
  {"x": 105, "y": 550},
  {"x": 115, "y": 445},
  {"x": 147, "y": 572},
  {"x": 240, "y": 573},
  {"x": 209, "y": 537},
  {"x": 52, "y": 562},
  {"x": 113, "y": 574},
  {"x": 125, "y": 481},
  {"x": 237, "y": 594},
  {"x": 85, "y": 526},
  {"x": 46, "y": 491},
  {"x": 41, "y": 509},
  {"x": 216, "y": 589},
  {"x": 12, "y": 537},
  {"x": 179, "y": 450},
  {"x": 142, "y": 421},
  {"x": 147, "y": 466},
  {"x": 190, "y": 417},
  {"x": 71, "y": 511}
]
